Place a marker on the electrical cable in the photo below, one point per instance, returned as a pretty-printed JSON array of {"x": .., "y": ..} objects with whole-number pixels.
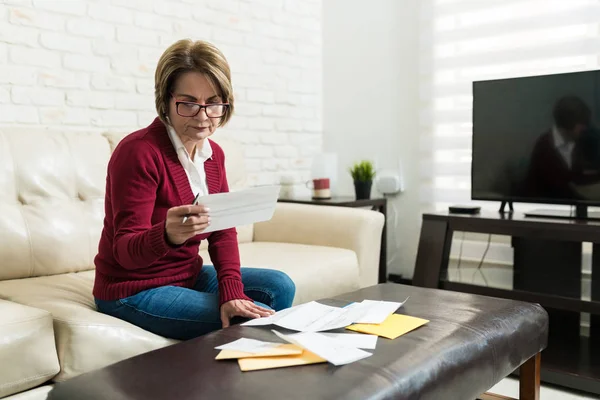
[
  {"x": 481, "y": 262},
  {"x": 458, "y": 272}
]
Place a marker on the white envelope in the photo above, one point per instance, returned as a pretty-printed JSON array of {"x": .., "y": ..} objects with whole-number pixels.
[
  {"x": 250, "y": 345},
  {"x": 327, "y": 348},
  {"x": 243, "y": 207}
]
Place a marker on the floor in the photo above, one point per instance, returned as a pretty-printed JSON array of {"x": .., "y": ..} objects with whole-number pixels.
[{"x": 510, "y": 387}]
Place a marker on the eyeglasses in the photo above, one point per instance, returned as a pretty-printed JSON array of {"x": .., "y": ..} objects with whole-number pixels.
[{"x": 191, "y": 109}]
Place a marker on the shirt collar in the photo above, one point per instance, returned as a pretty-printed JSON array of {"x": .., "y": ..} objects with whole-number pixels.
[
  {"x": 204, "y": 153},
  {"x": 559, "y": 140}
]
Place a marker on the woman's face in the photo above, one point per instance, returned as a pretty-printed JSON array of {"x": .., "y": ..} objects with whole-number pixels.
[{"x": 192, "y": 87}]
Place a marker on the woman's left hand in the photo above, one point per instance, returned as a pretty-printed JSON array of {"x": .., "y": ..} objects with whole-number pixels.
[{"x": 242, "y": 308}]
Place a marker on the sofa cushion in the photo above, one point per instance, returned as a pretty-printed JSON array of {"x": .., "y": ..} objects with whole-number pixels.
[
  {"x": 317, "y": 271},
  {"x": 85, "y": 339},
  {"x": 49, "y": 237},
  {"x": 27, "y": 350},
  {"x": 40, "y": 393},
  {"x": 52, "y": 204}
]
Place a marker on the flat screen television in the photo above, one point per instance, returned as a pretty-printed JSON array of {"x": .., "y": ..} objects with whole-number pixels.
[{"x": 536, "y": 140}]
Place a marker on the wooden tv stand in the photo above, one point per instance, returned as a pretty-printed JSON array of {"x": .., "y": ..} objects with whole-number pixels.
[{"x": 547, "y": 271}]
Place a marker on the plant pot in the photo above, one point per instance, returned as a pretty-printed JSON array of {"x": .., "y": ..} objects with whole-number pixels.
[{"x": 363, "y": 189}]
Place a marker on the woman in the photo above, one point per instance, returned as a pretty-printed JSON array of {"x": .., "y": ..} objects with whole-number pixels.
[{"x": 148, "y": 271}]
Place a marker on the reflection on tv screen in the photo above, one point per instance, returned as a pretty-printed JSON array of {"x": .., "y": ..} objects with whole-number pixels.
[{"x": 537, "y": 139}]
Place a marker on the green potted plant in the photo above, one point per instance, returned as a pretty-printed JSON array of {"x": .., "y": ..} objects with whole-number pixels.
[{"x": 363, "y": 173}]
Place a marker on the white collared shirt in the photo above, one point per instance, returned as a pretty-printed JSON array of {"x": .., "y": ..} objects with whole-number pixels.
[
  {"x": 564, "y": 147},
  {"x": 193, "y": 169}
]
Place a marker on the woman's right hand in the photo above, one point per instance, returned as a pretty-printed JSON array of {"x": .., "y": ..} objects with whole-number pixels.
[{"x": 177, "y": 231}]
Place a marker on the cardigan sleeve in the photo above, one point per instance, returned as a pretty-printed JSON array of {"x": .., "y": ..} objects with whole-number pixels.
[
  {"x": 224, "y": 251},
  {"x": 133, "y": 175}
]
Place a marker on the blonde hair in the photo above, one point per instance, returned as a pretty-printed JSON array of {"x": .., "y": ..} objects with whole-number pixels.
[{"x": 187, "y": 55}]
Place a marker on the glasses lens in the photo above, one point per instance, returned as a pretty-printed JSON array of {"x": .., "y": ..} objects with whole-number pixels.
[
  {"x": 216, "y": 110},
  {"x": 187, "y": 109}
]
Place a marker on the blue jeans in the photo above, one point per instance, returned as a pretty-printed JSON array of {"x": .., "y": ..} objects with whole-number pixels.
[{"x": 182, "y": 313}]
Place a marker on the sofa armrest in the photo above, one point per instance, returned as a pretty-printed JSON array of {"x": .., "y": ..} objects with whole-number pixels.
[
  {"x": 354, "y": 229},
  {"x": 28, "y": 355}
]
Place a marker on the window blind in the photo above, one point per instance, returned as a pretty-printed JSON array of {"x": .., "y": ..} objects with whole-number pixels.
[
  {"x": 467, "y": 40},
  {"x": 462, "y": 41}
]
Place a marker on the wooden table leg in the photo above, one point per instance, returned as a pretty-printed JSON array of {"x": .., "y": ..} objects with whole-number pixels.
[
  {"x": 529, "y": 382},
  {"x": 433, "y": 253},
  {"x": 529, "y": 379}
]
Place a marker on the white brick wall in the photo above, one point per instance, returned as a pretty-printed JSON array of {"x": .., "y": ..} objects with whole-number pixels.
[{"x": 90, "y": 63}]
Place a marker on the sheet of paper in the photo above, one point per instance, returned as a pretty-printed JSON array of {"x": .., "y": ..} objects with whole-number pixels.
[
  {"x": 324, "y": 347},
  {"x": 376, "y": 311},
  {"x": 395, "y": 325},
  {"x": 344, "y": 317},
  {"x": 308, "y": 317},
  {"x": 286, "y": 349},
  {"x": 253, "y": 364},
  {"x": 270, "y": 320},
  {"x": 314, "y": 317},
  {"x": 353, "y": 340},
  {"x": 244, "y": 207},
  {"x": 248, "y": 346}
]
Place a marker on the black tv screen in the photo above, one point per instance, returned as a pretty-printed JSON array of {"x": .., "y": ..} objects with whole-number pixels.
[{"x": 536, "y": 139}]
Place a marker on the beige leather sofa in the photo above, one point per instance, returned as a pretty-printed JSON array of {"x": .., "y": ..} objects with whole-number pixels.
[{"x": 51, "y": 211}]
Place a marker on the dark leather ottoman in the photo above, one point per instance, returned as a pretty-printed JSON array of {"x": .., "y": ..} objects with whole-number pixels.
[{"x": 470, "y": 344}]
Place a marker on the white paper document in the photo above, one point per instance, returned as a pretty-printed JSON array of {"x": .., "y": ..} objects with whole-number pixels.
[
  {"x": 244, "y": 207},
  {"x": 309, "y": 317},
  {"x": 317, "y": 317},
  {"x": 271, "y": 319},
  {"x": 248, "y": 346},
  {"x": 358, "y": 340},
  {"x": 324, "y": 347},
  {"x": 376, "y": 311}
]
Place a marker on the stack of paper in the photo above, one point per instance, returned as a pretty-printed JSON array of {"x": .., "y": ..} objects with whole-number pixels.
[
  {"x": 303, "y": 348},
  {"x": 373, "y": 318},
  {"x": 325, "y": 347},
  {"x": 255, "y": 355},
  {"x": 249, "y": 348},
  {"x": 317, "y": 317}
]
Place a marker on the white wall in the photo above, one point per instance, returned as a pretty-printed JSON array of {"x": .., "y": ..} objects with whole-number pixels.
[
  {"x": 370, "y": 104},
  {"x": 90, "y": 64}
]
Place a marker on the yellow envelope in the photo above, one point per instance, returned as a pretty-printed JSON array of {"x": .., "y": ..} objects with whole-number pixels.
[
  {"x": 253, "y": 364},
  {"x": 283, "y": 350},
  {"x": 395, "y": 325}
]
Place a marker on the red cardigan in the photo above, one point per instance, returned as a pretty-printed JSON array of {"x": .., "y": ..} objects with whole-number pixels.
[{"x": 144, "y": 180}]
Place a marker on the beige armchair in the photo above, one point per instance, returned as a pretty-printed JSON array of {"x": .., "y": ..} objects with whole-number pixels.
[{"x": 51, "y": 211}]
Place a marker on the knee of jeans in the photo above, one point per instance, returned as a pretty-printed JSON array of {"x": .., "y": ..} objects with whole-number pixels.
[{"x": 285, "y": 288}]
